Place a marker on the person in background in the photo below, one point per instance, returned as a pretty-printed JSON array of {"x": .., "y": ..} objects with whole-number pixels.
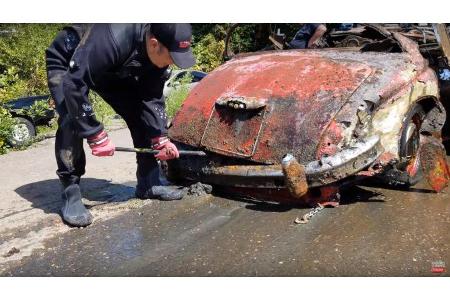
[{"x": 308, "y": 36}]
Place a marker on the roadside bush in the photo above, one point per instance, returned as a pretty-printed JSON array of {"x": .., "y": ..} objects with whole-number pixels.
[
  {"x": 208, "y": 52},
  {"x": 6, "y": 123},
  {"x": 11, "y": 86},
  {"x": 22, "y": 58},
  {"x": 243, "y": 38}
]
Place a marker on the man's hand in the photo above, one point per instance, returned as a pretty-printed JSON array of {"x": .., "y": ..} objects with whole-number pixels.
[
  {"x": 167, "y": 150},
  {"x": 100, "y": 144},
  {"x": 318, "y": 33}
]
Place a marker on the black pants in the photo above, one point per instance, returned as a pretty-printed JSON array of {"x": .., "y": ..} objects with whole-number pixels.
[
  {"x": 70, "y": 156},
  {"x": 298, "y": 44}
]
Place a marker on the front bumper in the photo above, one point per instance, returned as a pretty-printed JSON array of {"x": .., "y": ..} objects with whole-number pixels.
[{"x": 318, "y": 173}]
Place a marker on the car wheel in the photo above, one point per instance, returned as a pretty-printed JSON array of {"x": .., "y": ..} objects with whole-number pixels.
[
  {"x": 410, "y": 170},
  {"x": 22, "y": 132}
]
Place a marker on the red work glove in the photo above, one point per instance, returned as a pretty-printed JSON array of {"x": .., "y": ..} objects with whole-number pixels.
[
  {"x": 101, "y": 145},
  {"x": 167, "y": 150}
]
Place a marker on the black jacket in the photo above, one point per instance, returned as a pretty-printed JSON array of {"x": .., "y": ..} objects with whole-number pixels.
[{"x": 112, "y": 60}]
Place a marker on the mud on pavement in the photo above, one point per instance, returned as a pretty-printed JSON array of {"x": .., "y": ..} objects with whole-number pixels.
[{"x": 375, "y": 232}]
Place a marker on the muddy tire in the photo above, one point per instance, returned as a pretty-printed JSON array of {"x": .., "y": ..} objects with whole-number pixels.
[
  {"x": 22, "y": 132},
  {"x": 408, "y": 172}
]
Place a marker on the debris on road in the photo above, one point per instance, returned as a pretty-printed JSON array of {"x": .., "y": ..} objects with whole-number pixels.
[{"x": 199, "y": 189}]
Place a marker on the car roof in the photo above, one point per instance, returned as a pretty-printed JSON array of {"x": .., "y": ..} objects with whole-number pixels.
[
  {"x": 25, "y": 101},
  {"x": 195, "y": 72}
]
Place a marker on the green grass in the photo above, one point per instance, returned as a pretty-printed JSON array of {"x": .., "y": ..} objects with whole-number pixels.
[
  {"x": 103, "y": 111},
  {"x": 177, "y": 96},
  {"x": 47, "y": 129}
]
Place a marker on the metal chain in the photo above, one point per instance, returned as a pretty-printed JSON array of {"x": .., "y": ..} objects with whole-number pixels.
[{"x": 306, "y": 217}]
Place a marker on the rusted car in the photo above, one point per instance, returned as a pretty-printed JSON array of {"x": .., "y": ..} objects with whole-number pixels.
[{"x": 297, "y": 125}]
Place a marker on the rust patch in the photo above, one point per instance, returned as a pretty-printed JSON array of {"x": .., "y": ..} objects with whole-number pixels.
[
  {"x": 188, "y": 125},
  {"x": 231, "y": 131},
  {"x": 330, "y": 140},
  {"x": 434, "y": 165}
]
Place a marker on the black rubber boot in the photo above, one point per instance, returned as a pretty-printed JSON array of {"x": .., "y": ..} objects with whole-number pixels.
[
  {"x": 152, "y": 186},
  {"x": 73, "y": 212}
]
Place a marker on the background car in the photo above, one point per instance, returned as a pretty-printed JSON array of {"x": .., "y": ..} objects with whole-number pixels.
[
  {"x": 22, "y": 110},
  {"x": 176, "y": 77}
]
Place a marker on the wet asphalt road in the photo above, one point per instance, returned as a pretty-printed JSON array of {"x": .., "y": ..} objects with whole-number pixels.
[{"x": 375, "y": 232}]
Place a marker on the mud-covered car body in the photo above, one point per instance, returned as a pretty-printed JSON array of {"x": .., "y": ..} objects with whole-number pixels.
[{"x": 339, "y": 113}]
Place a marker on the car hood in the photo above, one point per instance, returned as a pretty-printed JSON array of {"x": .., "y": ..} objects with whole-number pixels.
[{"x": 260, "y": 107}]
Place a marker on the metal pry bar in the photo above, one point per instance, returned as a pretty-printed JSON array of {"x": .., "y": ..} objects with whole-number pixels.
[{"x": 151, "y": 151}]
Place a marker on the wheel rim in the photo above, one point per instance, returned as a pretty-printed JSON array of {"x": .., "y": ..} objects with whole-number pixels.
[
  {"x": 412, "y": 141},
  {"x": 20, "y": 133},
  {"x": 411, "y": 146}
]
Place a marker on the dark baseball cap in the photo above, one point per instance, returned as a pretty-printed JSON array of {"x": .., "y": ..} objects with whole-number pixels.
[{"x": 177, "y": 39}]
